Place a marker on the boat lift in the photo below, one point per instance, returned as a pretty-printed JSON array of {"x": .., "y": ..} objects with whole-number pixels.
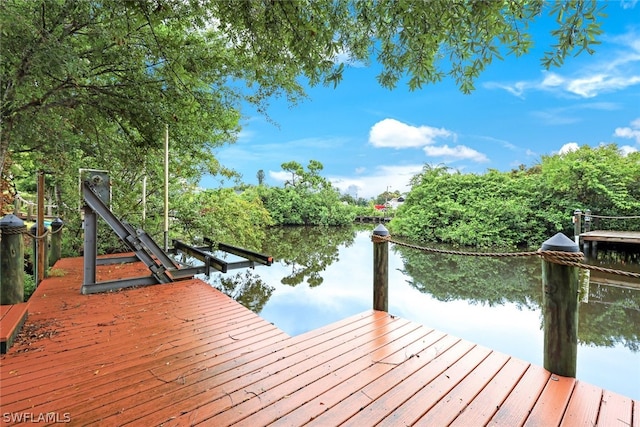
[{"x": 162, "y": 267}]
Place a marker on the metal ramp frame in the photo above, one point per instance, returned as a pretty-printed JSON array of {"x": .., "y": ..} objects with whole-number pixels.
[{"x": 163, "y": 269}]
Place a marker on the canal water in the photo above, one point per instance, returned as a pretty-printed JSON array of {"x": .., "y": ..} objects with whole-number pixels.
[{"x": 322, "y": 275}]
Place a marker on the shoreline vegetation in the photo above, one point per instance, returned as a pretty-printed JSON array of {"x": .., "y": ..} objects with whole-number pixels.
[{"x": 516, "y": 209}]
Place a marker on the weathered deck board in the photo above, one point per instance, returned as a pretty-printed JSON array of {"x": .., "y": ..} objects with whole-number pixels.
[
  {"x": 12, "y": 317},
  {"x": 184, "y": 354}
]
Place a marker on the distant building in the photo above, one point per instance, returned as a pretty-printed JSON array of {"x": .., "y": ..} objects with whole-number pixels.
[{"x": 395, "y": 202}]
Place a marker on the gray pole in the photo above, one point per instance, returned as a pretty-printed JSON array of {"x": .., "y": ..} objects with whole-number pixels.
[
  {"x": 380, "y": 270},
  {"x": 166, "y": 187},
  {"x": 90, "y": 253},
  {"x": 12, "y": 229},
  {"x": 560, "y": 309}
]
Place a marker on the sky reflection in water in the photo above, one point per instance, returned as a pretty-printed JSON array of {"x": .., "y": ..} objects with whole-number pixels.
[{"x": 514, "y": 329}]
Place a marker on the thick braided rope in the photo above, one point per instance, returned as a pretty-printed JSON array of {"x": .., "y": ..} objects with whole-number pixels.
[
  {"x": 42, "y": 236},
  {"x": 14, "y": 230},
  {"x": 58, "y": 230},
  {"x": 571, "y": 259}
]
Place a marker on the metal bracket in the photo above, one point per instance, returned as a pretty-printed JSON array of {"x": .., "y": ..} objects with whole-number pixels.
[
  {"x": 140, "y": 243},
  {"x": 163, "y": 269}
]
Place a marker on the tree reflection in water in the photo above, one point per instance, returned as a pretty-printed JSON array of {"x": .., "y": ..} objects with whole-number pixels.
[
  {"x": 247, "y": 288},
  {"x": 608, "y": 317},
  {"x": 308, "y": 266},
  {"x": 308, "y": 251}
]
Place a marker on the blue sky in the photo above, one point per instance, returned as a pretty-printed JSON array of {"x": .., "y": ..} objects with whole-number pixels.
[{"x": 369, "y": 138}]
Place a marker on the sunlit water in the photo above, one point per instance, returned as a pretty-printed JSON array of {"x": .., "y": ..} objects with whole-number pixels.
[{"x": 468, "y": 303}]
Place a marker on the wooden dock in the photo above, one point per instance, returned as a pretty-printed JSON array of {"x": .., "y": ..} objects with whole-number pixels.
[
  {"x": 372, "y": 219},
  {"x": 183, "y": 353},
  {"x": 611, "y": 236}
]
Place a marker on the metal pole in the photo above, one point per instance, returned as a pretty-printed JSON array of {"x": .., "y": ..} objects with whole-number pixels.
[
  {"x": 90, "y": 253},
  {"x": 380, "y": 269},
  {"x": 560, "y": 308},
  {"x": 144, "y": 200},
  {"x": 166, "y": 187}
]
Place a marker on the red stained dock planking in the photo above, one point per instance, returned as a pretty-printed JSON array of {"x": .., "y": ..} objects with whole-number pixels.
[{"x": 183, "y": 353}]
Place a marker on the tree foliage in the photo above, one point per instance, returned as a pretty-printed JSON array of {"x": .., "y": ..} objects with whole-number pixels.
[
  {"x": 94, "y": 83},
  {"x": 87, "y": 69},
  {"x": 306, "y": 199},
  {"x": 522, "y": 207}
]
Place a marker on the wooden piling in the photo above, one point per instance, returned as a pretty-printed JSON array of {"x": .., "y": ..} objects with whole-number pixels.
[
  {"x": 560, "y": 309},
  {"x": 56, "y": 241},
  {"x": 12, "y": 260},
  {"x": 380, "y": 269}
]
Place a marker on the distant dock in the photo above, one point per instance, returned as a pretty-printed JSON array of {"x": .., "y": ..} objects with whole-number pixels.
[
  {"x": 611, "y": 236},
  {"x": 372, "y": 219},
  {"x": 590, "y": 240}
]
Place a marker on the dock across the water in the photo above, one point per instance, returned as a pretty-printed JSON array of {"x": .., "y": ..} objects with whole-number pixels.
[
  {"x": 611, "y": 236},
  {"x": 183, "y": 353}
]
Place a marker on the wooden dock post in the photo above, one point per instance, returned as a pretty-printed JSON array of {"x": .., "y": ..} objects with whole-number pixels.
[
  {"x": 12, "y": 260},
  {"x": 560, "y": 309},
  {"x": 380, "y": 269},
  {"x": 40, "y": 262},
  {"x": 56, "y": 241},
  {"x": 577, "y": 225}
]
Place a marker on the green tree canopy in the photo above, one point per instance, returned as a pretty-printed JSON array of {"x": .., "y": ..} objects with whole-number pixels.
[
  {"x": 522, "y": 207},
  {"x": 78, "y": 72},
  {"x": 94, "y": 83}
]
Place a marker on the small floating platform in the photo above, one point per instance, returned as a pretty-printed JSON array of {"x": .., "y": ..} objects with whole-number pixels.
[{"x": 183, "y": 353}]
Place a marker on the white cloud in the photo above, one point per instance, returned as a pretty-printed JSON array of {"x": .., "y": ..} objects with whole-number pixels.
[
  {"x": 569, "y": 147},
  {"x": 593, "y": 85},
  {"x": 390, "y": 133},
  {"x": 366, "y": 186},
  {"x": 394, "y": 134},
  {"x": 394, "y": 177},
  {"x": 552, "y": 80},
  {"x": 630, "y": 132},
  {"x": 610, "y": 71},
  {"x": 625, "y": 150},
  {"x": 516, "y": 89},
  {"x": 280, "y": 176},
  {"x": 628, "y": 4},
  {"x": 458, "y": 152},
  {"x": 569, "y": 114}
]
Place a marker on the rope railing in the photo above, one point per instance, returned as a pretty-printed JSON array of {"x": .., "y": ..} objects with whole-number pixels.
[
  {"x": 30, "y": 203},
  {"x": 42, "y": 236},
  {"x": 561, "y": 288},
  {"x": 557, "y": 257},
  {"x": 606, "y": 216}
]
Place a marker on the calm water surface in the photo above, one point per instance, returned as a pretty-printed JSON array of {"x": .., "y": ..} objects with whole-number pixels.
[{"x": 324, "y": 275}]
